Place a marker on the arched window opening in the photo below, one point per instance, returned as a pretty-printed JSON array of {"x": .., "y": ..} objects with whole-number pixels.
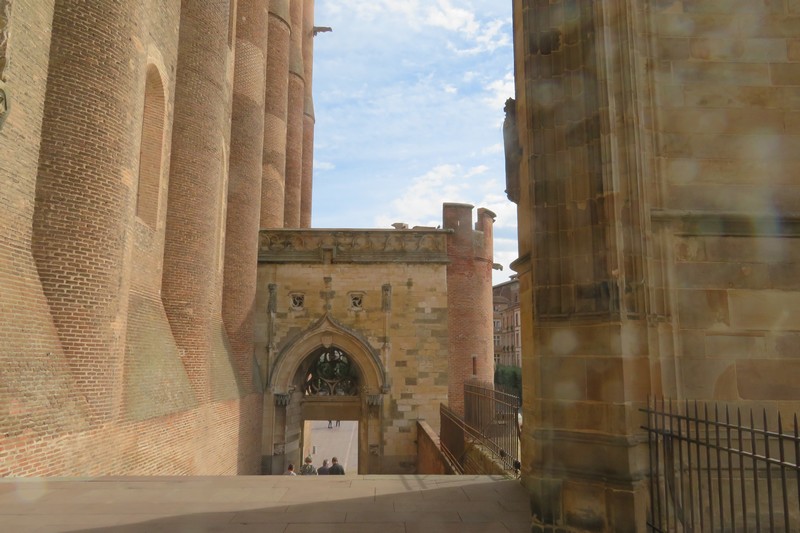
[
  {"x": 331, "y": 373},
  {"x": 151, "y": 149}
]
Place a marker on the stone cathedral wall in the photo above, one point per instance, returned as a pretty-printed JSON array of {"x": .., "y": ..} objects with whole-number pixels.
[
  {"x": 658, "y": 227},
  {"x": 726, "y": 97}
]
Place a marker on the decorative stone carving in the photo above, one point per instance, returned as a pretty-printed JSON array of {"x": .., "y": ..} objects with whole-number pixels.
[
  {"x": 285, "y": 245},
  {"x": 3, "y": 107},
  {"x": 727, "y": 224},
  {"x": 327, "y": 340},
  {"x": 357, "y": 301},
  {"x": 272, "y": 306},
  {"x": 546, "y": 43},
  {"x": 5, "y": 22},
  {"x": 331, "y": 374},
  {"x": 374, "y": 400},
  {"x": 282, "y": 399},
  {"x": 386, "y": 304},
  {"x": 298, "y": 301}
]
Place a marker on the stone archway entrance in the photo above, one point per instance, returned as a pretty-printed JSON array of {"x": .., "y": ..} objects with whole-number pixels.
[
  {"x": 331, "y": 391},
  {"x": 327, "y": 373}
]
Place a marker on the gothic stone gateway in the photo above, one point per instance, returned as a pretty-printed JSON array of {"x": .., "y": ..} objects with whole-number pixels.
[{"x": 375, "y": 297}]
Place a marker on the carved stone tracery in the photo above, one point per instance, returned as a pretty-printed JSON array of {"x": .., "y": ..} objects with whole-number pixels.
[
  {"x": 331, "y": 374},
  {"x": 352, "y": 245},
  {"x": 5, "y": 20}
]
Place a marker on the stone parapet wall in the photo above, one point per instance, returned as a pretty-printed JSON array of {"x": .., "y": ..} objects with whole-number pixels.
[
  {"x": 430, "y": 459},
  {"x": 479, "y": 460},
  {"x": 353, "y": 246}
]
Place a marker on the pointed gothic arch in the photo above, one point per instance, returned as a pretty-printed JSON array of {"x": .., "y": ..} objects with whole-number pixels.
[
  {"x": 327, "y": 332},
  {"x": 292, "y": 408}
]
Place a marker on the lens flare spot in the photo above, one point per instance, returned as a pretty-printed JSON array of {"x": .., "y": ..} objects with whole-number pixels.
[{"x": 564, "y": 342}]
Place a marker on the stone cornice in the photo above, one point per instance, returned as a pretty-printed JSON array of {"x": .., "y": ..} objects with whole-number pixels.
[
  {"x": 353, "y": 246},
  {"x": 521, "y": 264},
  {"x": 728, "y": 224}
]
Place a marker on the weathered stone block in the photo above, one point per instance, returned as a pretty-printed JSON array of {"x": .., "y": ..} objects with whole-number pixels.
[
  {"x": 585, "y": 506},
  {"x": 768, "y": 379},
  {"x": 785, "y": 74},
  {"x": 752, "y": 74},
  {"x": 703, "y": 308},
  {"x": 704, "y": 378},
  {"x": 764, "y": 310},
  {"x": 734, "y": 346}
]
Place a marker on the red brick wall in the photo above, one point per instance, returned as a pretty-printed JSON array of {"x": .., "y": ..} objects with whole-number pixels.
[
  {"x": 276, "y": 109},
  {"x": 192, "y": 258},
  {"x": 244, "y": 185},
  {"x": 295, "y": 111},
  {"x": 93, "y": 377},
  {"x": 85, "y": 196},
  {"x": 308, "y": 115},
  {"x": 469, "y": 299},
  {"x": 155, "y": 382},
  {"x": 211, "y": 439},
  {"x": 34, "y": 375}
]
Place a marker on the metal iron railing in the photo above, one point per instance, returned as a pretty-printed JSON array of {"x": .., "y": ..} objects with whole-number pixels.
[
  {"x": 452, "y": 437},
  {"x": 491, "y": 415},
  {"x": 714, "y": 470}
]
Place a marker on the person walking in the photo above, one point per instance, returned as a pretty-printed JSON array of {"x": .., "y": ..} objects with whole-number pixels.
[
  {"x": 308, "y": 469},
  {"x": 336, "y": 468},
  {"x": 324, "y": 469},
  {"x": 290, "y": 470}
]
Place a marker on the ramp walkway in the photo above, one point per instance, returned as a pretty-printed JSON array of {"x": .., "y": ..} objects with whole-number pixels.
[{"x": 280, "y": 504}]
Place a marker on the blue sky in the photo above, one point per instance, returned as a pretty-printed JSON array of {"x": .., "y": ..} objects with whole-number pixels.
[{"x": 408, "y": 97}]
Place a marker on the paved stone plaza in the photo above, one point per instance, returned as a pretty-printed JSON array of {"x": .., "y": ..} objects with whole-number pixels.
[{"x": 353, "y": 504}]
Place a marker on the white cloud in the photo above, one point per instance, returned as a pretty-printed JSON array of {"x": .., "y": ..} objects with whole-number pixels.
[
  {"x": 421, "y": 203},
  {"x": 505, "y": 252},
  {"x": 478, "y": 35},
  {"x": 409, "y": 101},
  {"x": 500, "y": 90},
  {"x": 475, "y": 171},
  {"x": 497, "y": 148},
  {"x": 505, "y": 210},
  {"x": 445, "y": 15},
  {"x": 323, "y": 165},
  {"x": 489, "y": 39}
]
